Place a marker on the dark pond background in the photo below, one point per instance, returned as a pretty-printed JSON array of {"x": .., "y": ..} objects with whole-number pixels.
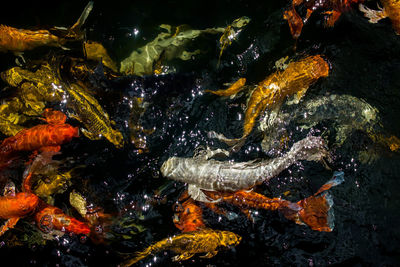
[{"x": 365, "y": 60}]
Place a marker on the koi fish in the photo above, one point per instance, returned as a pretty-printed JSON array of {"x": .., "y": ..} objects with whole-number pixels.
[
  {"x": 190, "y": 243},
  {"x": 165, "y": 47},
  {"x": 271, "y": 92},
  {"x": 188, "y": 216},
  {"x": 50, "y": 218},
  {"x": 391, "y": 10},
  {"x": 230, "y": 33},
  {"x": 233, "y": 89},
  {"x": 314, "y": 211},
  {"x": 227, "y": 176},
  {"x": 14, "y": 206},
  {"x": 92, "y": 115},
  {"x": 44, "y": 137},
  {"x": 335, "y": 9},
  {"x": 19, "y": 40}
]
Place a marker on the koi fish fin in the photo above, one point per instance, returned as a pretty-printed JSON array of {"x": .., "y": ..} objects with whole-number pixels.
[
  {"x": 183, "y": 256},
  {"x": 197, "y": 194},
  {"x": 373, "y": 15},
  {"x": 295, "y": 22},
  {"x": 209, "y": 254},
  {"x": 315, "y": 211},
  {"x": 308, "y": 15},
  {"x": 238, "y": 142},
  {"x": 81, "y": 20},
  {"x": 138, "y": 256},
  {"x": 10, "y": 223}
]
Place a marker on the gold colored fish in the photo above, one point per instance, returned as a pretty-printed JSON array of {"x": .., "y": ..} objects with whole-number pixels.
[
  {"x": 92, "y": 116},
  {"x": 392, "y": 142},
  {"x": 235, "y": 88},
  {"x": 34, "y": 89},
  {"x": 11, "y": 118},
  {"x": 230, "y": 34},
  {"x": 188, "y": 244},
  {"x": 272, "y": 91},
  {"x": 53, "y": 183},
  {"x": 43, "y": 82}
]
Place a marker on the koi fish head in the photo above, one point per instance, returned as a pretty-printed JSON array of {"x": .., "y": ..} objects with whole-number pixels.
[
  {"x": 168, "y": 167},
  {"x": 65, "y": 132},
  {"x": 52, "y": 218},
  {"x": 230, "y": 239},
  {"x": 320, "y": 67}
]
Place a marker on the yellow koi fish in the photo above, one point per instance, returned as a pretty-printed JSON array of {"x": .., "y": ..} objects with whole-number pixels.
[
  {"x": 235, "y": 88},
  {"x": 188, "y": 244},
  {"x": 272, "y": 91}
]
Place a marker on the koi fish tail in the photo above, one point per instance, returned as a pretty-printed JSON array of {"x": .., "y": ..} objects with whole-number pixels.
[
  {"x": 315, "y": 211},
  {"x": 143, "y": 254},
  {"x": 75, "y": 30}
]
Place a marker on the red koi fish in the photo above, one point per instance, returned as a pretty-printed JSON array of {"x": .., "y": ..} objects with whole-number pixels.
[
  {"x": 334, "y": 9},
  {"x": 44, "y": 137},
  {"x": 314, "y": 211}
]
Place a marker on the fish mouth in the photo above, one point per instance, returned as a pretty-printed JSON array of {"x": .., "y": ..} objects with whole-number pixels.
[{"x": 168, "y": 166}]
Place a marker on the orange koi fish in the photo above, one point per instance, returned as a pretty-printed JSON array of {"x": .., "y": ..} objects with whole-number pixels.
[
  {"x": 334, "y": 8},
  {"x": 314, "y": 211},
  {"x": 45, "y": 137},
  {"x": 15, "y": 206},
  {"x": 19, "y": 40},
  {"x": 50, "y": 218},
  {"x": 188, "y": 215},
  {"x": 391, "y": 10},
  {"x": 271, "y": 92}
]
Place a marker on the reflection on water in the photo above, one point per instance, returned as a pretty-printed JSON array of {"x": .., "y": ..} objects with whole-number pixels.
[{"x": 106, "y": 189}]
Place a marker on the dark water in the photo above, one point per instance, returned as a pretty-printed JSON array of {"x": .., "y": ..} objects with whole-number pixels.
[{"x": 365, "y": 61}]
